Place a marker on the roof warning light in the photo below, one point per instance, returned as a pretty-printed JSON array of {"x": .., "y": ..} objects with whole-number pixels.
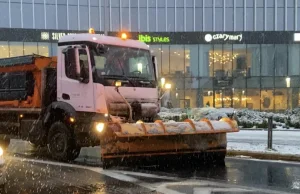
[
  {"x": 124, "y": 36},
  {"x": 91, "y": 31}
]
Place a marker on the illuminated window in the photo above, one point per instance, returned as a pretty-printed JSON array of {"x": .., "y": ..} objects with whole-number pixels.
[
  {"x": 15, "y": 49},
  {"x": 30, "y": 48},
  {"x": 4, "y": 50},
  {"x": 43, "y": 49}
]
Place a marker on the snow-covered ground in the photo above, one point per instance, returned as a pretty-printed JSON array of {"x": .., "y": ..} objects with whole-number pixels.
[{"x": 284, "y": 142}]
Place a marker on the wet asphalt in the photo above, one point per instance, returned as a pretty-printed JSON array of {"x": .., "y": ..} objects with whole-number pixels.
[{"x": 252, "y": 176}]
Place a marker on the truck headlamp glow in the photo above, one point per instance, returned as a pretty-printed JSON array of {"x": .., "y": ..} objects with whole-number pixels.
[
  {"x": 99, "y": 127},
  {"x": 1, "y": 151}
]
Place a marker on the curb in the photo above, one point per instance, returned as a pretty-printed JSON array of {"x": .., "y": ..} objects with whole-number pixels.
[
  {"x": 262, "y": 129},
  {"x": 265, "y": 156}
]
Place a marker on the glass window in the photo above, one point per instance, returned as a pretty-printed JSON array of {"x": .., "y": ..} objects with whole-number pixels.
[
  {"x": 239, "y": 23},
  {"x": 191, "y": 98},
  {"x": 180, "y": 20},
  {"x": 267, "y": 82},
  {"x": 161, "y": 20},
  {"x": 191, "y": 61},
  {"x": 16, "y": 15},
  {"x": 125, "y": 18},
  {"x": 70, "y": 67},
  {"x": 294, "y": 59},
  {"x": 219, "y": 19},
  {"x": 177, "y": 60},
  {"x": 253, "y": 82},
  {"x": 156, "y": 51},
  {"x": 39, "y": 14},
  {"x": 134, "y": 19},
  {"x": 223, "y": 98},
  {"x": 51, "y": 16},
  {"x": 270, "y": 19},
  {"x": 15, "y": 49},
  {"x": 241, "y": 60},
  {"x": 62, "y": 15},
  {"x": 280, "y": 18},
  {"x": 221, "y": 59},
  {"x": 30, "y": 48},
  {"x": 219, "y": 3},
  {"x": 291, "y": 19},
  {"x": 207, "y": 98},
  {"x": 54, "y": 49},
  {"x": 152, "y": 19},
  {"x": 44, "y": 49},
  {"x": 208, "y": 24},
  {"x": 205, "y": 64},
  {"x": 259, "y": 14},
  {"x": 280, "y": 82},
  {"x": 95, "y": 20},
  {"x": 189, "y": 19},
  {"x": 250, "y": 3},
  {"x": 229, "y": 19},
  {"x": 134, "y": 63},
  {"x": 253, "y": 52},
  {"x": 294, "y": 97},
  {"x": 4, "y": 50},
  {"x": 198, "y": 19},
  {"x": 115, "y": 19},
  {"x": 267, "y": 100},
  {"x": 27, "y": 15},
  {"x": 267, "y": 61},
  {"x": 281, "y": 98},
  {"x": 4, "y": 14},
  {"x": 84, "y": 63},
  {"x": 165, "y": 69},
  {"x": 171, "y": 19},
  {"x": 143, "y": 19},
  {"x": 249, "y": 19},
  {"x": 253, "y": 100},
  {"x": 73, "y": 17},
  {"x": 281, "y": 59},
  {"x": 84, "y": 17},
  {"x": 239, "y": 98}
]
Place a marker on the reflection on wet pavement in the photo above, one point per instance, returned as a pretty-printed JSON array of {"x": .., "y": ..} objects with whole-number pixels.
[{"x": 242, "y": 172}]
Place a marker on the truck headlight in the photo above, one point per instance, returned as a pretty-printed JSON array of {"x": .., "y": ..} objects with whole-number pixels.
[
  {"x": 99, "y": 127},
  {"x": 1, "y": 151}
]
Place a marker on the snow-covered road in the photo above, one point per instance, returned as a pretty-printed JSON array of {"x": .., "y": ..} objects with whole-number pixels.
[{"x": 285, "y": 142}]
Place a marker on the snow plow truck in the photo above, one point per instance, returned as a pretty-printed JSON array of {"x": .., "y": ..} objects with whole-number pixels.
[{"x": 98, "y": 91}]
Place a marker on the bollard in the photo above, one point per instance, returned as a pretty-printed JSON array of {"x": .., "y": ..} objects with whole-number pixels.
[{"x": 270, "y": 132}]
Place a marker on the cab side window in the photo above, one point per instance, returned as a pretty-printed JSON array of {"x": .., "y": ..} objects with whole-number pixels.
[
  {"x": 84, "y": 63},
  {"x": 70, "y": 64}
]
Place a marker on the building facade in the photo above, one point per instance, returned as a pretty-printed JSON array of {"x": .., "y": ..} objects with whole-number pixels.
[{"x": 221, "y": 53}]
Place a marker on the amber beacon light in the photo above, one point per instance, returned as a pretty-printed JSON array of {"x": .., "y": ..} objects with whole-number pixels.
[
  {"x": 124, "y": 36},
  {"x": 91, "y": 31}
]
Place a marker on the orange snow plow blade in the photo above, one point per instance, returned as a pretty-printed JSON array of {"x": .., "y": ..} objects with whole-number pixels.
[{"x": 158, "y": 138}]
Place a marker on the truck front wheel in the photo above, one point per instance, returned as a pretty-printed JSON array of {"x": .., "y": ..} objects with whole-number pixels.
[{"x": 61, "y": 143}]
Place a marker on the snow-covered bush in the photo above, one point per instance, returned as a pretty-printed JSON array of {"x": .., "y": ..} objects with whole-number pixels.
[{"x": 246, "y": 118}]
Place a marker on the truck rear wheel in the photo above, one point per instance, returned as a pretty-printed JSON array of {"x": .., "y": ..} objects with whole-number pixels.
[{"x": 61, "y": 143}]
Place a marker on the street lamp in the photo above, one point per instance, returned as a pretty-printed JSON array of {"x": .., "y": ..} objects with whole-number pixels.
[
  {"x": 288, "y": 85},
  {"x": 162, "y": 82},
  {"x": 288, "y": 82}
]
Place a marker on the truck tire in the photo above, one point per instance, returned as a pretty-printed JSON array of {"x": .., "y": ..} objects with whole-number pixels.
[{"x": 61, "y": 143}]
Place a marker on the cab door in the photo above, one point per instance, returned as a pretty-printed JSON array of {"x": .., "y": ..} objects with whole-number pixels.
[{"x": 76, "y": 79}]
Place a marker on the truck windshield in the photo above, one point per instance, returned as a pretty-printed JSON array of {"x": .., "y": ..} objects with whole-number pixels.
[{"x": 124, "y": 62}]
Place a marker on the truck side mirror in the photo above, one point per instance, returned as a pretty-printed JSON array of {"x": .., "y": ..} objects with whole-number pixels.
[{"x": 154, "y": 62}]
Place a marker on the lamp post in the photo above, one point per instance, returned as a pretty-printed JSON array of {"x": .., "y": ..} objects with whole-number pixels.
[{"x": 288, "y": 85}]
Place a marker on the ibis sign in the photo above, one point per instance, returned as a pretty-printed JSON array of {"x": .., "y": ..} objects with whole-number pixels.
[{"x": 223, "y": 37}]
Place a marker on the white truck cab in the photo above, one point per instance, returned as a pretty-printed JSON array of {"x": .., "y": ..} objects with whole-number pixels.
[{"x": 90, "y": 66}]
